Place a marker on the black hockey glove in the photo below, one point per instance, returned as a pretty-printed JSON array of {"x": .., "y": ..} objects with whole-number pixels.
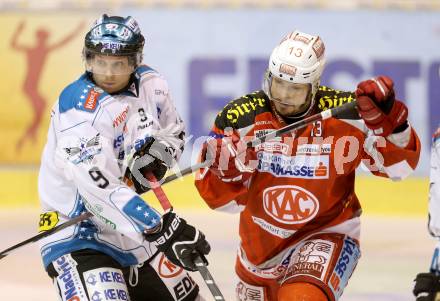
[
  {"x": 181, "y": 243},
  {"x": 151, "y": 156},
  {"x": 427, "y": 287}
]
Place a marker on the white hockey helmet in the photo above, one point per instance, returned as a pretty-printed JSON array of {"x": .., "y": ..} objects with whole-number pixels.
[{"x": 299, "y": 59}]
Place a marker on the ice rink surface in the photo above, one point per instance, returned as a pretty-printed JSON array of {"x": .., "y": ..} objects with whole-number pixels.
[{"x": 394, "y": 251}]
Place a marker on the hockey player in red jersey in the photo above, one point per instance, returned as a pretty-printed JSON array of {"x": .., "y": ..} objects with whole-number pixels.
[{"x": 299, "y": 214}]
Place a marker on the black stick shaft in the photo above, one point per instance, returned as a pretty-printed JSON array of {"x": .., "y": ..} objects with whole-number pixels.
[
  {"x": 335, "y": 112},
  {"x": 37, "y": 237},
  {"x": 207, "y": 277}
]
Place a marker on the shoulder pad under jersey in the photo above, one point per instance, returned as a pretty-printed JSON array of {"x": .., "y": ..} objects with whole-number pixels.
[
  {"x": 82, "y": 95},
  {"x": 241, "y": 112},
  {"x": 328, "y": 98},
  {"x": 144, "y": 70}
]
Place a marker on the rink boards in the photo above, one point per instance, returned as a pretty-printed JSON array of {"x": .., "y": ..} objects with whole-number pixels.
[{"x": 377, "y": 195}]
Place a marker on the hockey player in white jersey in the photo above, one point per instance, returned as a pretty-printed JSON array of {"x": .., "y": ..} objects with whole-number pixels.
[
  {"x": 109, "y": 129},
  {"x": 427, "y": 285}
]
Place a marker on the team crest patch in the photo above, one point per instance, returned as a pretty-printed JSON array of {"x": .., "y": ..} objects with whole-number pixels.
[{"x": 85, "y": 150}]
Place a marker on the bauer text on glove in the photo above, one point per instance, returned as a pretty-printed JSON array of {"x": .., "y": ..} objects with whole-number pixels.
[{"x": 181, "y": 243}]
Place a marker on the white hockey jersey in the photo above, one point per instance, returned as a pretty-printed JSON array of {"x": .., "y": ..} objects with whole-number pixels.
[
  {"x": 90, "y": 136},
  {"x": 434, "y": 186}
]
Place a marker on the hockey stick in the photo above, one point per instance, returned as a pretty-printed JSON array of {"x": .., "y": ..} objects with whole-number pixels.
[
  {"x": 37, "y": 237},
  {"x": 337, "y": 112},
  {"x": 203, "y": 270}
]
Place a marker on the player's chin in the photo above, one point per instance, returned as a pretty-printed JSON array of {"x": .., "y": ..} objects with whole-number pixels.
[
  {"x": 111, "y": 88},
  {"x": 288, "y": 112}
]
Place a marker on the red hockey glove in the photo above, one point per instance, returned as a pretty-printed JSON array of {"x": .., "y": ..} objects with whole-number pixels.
[
  {"x": 231, "y": 160},
  {"x": 378, "y": 107}
]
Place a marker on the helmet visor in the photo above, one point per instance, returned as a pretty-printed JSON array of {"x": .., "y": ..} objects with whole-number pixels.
[
  {"x": 288, "y": 93},
  {"x": 109, "y": 64}
]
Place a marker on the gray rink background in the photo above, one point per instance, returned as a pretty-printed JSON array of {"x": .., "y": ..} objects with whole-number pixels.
[{"x": 394, "y": 250}]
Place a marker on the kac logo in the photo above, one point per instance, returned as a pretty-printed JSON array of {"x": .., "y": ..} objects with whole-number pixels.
[{"x": 290, "y": 204}]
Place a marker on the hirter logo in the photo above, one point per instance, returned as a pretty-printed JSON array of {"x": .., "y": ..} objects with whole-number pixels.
[
  {"x": 290, "y": 204},
  {"x": 92, "y": 99}
]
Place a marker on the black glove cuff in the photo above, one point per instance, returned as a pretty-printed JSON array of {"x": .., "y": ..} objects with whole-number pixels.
[
  {"x": 172, "y": 226},
  {"x": 426, "y": 283},
  {"x": 401, "y": 127}
]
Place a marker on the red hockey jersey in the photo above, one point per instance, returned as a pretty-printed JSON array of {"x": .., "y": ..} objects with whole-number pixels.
[{"x": 304, "y": 181}]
